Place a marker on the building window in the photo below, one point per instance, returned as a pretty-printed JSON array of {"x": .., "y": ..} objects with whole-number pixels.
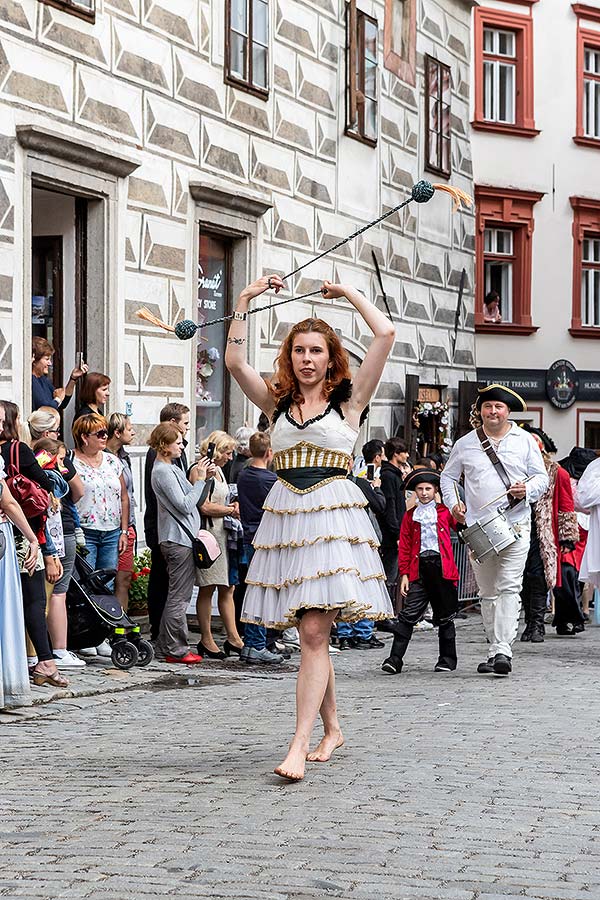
[
  {"x": 400, "y": 39},
  {"x": 585, "y": 320},
  {"x": 504, "y": 72},
  {"x": 438, "y": 94},
  {"x": 84, "y": 8},
  {"x": 247, "y": 45},
  {"x": 498, "y": 264},
  {"x": 505, "y": 226},
  {"x": 361, "y": 78},
  {"x": 587, "y": 129},
  {"x": 499, "y": 75}
]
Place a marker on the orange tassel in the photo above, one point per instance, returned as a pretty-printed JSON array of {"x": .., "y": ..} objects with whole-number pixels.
[
  {"x": 459, "y": 197},
  {"x": 147, "y": 316}
]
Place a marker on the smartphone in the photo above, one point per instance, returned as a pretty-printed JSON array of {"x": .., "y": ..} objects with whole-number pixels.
[
  {"x": 370, "y": 471},
  {"x": 79, "y": 359},
  {"x": 210, "y": 452}
]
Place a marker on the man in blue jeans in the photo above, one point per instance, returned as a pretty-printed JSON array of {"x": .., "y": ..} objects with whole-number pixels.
[
  {"x": 254, "y": 483},
  {"x": 359, "y": 635}
]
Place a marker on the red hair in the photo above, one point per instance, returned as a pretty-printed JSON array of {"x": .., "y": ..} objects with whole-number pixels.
[{"x": 285, "y": 383}]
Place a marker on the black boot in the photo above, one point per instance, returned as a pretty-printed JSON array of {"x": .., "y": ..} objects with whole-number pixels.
[
  {"x": 447, "y": 643},
  {"x": 402, "y": 636},
  {"x": 526, "y": 636}
]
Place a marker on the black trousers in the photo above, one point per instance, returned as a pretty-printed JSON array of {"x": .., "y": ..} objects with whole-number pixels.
[
  {"x": 567, "y": 598},
  {"x": 430, "y": 588},
  {"x": 34, "y": 613},
  {"x": 389, "y": 558},
  {"x": 534, "y": 592},
  {"x": 158, "y": 589}
]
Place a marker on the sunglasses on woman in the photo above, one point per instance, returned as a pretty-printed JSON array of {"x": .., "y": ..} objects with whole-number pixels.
[{"x": 101, "y": 434}]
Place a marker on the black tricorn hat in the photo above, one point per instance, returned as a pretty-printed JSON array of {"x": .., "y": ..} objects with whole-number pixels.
[
  {"x": 503, "y": 394},
  {"x": 418, "y": 476},
  {"x": 577, "y": 461}
]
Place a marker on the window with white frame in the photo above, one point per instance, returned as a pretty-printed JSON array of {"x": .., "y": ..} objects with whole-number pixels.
[
  {"x": 591, "y": 92},
  {"x": 499, "y": 75},
  {"x": 590, "y": 282},
  {"x": 498, "y": 266}
]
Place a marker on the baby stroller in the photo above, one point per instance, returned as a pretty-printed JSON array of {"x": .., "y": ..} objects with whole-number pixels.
[{"x": 94, "y": 615}]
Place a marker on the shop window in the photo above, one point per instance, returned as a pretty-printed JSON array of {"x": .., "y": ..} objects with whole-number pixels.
[
  {"x": 361, "y": 75},
  {"x": 247, "y": 45},
  {"x": 504, "y": 72},
  {"x": 585, "y": 320},
  {"x": 400, "y": 39},
  {"x": 588, "y": 78},
  {"x": 505, "y": 226},
  {"x": 213, "y": 303},
  {"x": 84, "y": 8},
  {"x": 592, "y": 435},
  {"x": 438, "y": 95}
]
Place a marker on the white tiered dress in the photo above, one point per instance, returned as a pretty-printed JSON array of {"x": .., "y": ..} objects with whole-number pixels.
[{"x": 314, "y": 548}]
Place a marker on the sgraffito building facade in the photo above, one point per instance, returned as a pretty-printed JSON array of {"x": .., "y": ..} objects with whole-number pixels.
[{"x": 164, "y": 154}]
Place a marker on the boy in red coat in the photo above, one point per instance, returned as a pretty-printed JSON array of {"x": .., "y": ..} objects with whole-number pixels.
[{"x": 428, "y": 573}]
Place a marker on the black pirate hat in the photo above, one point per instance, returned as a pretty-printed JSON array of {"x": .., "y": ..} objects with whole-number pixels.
[
  {"x": 420, "y": 476},
  {"x": 503, "y": 394}
]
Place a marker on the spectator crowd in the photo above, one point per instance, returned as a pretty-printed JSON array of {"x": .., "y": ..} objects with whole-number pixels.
[{"x": 61, "y": 496}]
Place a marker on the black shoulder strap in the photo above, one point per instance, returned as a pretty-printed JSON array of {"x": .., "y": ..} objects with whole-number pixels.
[
  {"x": 181, "y": 525},
  {"x": 496, "y": 462}
]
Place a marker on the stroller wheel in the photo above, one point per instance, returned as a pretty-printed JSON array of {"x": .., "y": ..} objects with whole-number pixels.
[
  {"x": 145, "y": 652},
  {"x": 124, "y": 655}
]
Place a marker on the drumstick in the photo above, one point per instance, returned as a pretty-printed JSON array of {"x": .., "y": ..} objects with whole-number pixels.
[
  {"x": 500, "y": 496},
  {"x": 458, "y": 500}
]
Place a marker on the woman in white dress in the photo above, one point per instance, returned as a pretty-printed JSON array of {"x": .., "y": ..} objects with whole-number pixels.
[
  {"x": 315, "y": 553},
  {"x": 14, "y": 675}
]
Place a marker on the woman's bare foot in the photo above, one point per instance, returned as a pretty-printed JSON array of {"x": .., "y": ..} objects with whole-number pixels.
[
  {"x": 292, "y": 767},
  {"x": 328, "y": 743}
]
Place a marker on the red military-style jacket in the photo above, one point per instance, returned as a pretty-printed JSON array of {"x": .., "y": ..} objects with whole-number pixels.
[{"x": 409, "y": 546}]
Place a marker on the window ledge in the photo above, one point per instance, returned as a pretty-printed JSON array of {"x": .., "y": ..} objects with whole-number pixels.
[
  {"x": 361, "y": 138},
  {"x": 262, "y": 93},
  {"x": 502, "y": 128},
  {"x": 586, "y": 141},
  {"x": 513, "y": 328},
  {"x": 235, "y": 198},
  {"x": 99, "y": 154},
  {"x": 585, "y": 331}
]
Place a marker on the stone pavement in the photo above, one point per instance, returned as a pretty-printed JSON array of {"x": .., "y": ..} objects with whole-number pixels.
[{"x": 450, "y": 787}]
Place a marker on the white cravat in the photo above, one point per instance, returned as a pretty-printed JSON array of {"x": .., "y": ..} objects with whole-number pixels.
[{"x": 426, "y": 515}]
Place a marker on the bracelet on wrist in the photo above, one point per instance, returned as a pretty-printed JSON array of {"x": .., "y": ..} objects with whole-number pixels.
[{"x": 239, "y": 316}]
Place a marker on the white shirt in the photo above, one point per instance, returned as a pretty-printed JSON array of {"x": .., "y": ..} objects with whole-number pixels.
[
  {"x": 520, "y": 456},
  {"x": 588, "y": 497},
  {"x": 426, "y": 515}
]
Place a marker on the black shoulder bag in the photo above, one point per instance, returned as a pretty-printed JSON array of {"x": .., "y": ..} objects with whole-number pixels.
[{"x": 497, "y": 464}]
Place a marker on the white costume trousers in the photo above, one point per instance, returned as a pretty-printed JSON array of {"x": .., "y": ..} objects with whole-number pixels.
[{"x": 500, "y": 579}]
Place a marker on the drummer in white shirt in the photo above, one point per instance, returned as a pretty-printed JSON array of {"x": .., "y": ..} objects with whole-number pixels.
[{"x": 499, "y": 576}]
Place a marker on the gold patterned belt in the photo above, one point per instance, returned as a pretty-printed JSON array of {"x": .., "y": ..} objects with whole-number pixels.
[{"x": 306, "y": 455}]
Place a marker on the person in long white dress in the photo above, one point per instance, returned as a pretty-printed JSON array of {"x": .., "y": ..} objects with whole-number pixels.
[
  {"x": 315, "y": 553},
  {"x": 14, "y": 675},
  {"x": 587, "y": 498}
]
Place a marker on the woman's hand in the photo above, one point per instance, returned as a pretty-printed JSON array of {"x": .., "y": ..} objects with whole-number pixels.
[
  {"x": 59, "y": 394},
  {"x": 333, "y": 291},
  {"x": 203, "y": 467},
  {"x": 123, "y": 543},
  {"x": 236, "y": 510},
  {"x": 260, "y": 286},
  {"x": 54, "y": 569},
  {"x": 78, "y": 372},
  {"x": 30, "y": 561}
]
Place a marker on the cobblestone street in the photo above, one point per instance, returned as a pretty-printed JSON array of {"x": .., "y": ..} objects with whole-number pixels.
[{"x": 456, "y": 787}]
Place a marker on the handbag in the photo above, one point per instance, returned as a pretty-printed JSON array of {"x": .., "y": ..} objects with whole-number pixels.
[
  {"x": 32, "y": 498},
  {"x": 205, "y": 547}
]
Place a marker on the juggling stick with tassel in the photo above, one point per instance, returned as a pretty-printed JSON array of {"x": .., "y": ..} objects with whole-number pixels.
[{"x": 421, "y": 192}]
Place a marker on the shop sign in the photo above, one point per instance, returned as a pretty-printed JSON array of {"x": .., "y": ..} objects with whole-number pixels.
[
  {"x": 589, "y": 386},
  {"x": 429, "y": 395},
  {"x": 562, "y": 384},
  {"x": 528, "y": 383}
]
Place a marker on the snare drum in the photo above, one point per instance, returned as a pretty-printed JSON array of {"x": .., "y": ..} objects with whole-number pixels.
[{"x": 491, "y": 534}]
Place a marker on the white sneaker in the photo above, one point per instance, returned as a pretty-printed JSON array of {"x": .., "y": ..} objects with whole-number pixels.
[
  {"x": 423, "y": 625},
  {"x": 67, "y": 660},
  {"x": 88, "y": 651},
  {"x": 333, "y": 649},
  {"x": 104, "y": 649},
  {"x": 291, "y": 638}
]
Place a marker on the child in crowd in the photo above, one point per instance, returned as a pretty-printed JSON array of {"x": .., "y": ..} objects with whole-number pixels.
[{"x": 428, "y": 572}]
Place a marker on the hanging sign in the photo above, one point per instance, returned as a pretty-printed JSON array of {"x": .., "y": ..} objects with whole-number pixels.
[{"x": 562, "y": 384}]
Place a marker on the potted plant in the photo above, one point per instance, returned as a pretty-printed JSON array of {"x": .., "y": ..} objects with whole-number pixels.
[{"x": 138, "y": 592}]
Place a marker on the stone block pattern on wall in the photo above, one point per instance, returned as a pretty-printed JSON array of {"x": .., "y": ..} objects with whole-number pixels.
[{"x": 149, "y": 74}]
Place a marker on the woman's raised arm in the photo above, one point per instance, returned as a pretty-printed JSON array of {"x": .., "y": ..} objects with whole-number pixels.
[
  {"x": 236, "y": 352},
  {"x": 367, "y": 378}
]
